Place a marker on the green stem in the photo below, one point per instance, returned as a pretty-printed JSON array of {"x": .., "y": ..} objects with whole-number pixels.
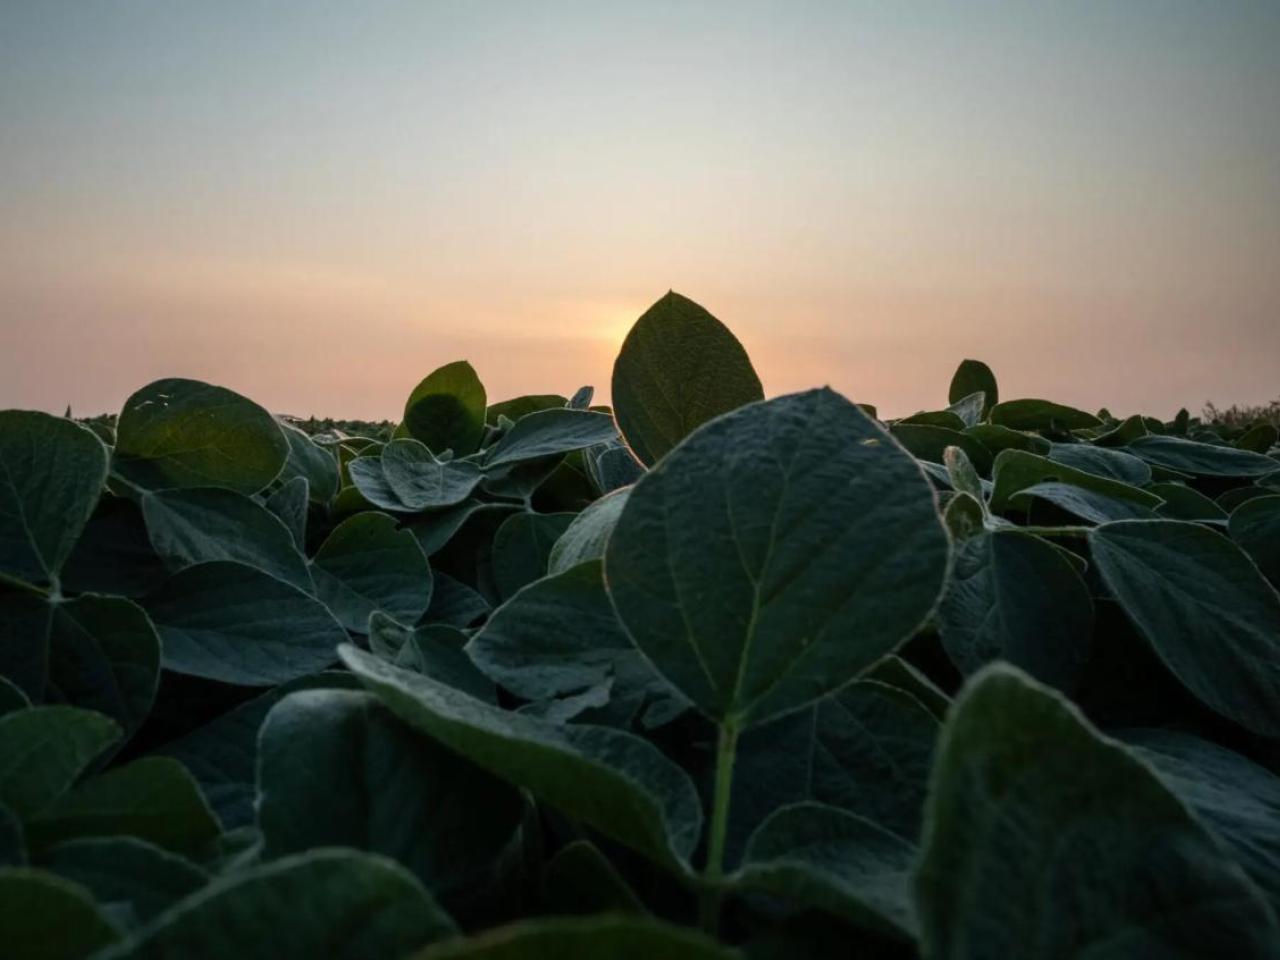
[
  {"x": 1056, "y": 531},
  {"x": 719, "y": 828}
]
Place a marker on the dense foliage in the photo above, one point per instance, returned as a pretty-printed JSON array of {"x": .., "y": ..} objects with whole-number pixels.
[{"x": 706, "y": 675}]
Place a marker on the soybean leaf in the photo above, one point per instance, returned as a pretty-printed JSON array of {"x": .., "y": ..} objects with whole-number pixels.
[
  {"x": 1259, "y": 438},
  {"x": 613, "y": 467},
  {"x": 126, "y": 874},
  {"x": 434, "y": 530},
  {"x": 11, "y": 697},
  {"x": 1201, "y": 459},
  {"x": 310, "y": 462},
  {"x": 518, "y": 407},
  {"x": 947, "y": 419},
  {"x": 548, "y": 432},
  {"x": 970, "y": 409},
  {"x": 1034, "y": 818},
  {"x": 774, "y": 554},
  {"x": 230, "y": 622},
  {"x": 454, "y": 603},
  {"x": 336, "y": 768},
  {"x": 580, "y": 879},
  {"x": 585, "y": 537},
  {"x": 1237, "y": 799},
  {"x": 522, "y": 546},
  {"x": 422, "y": 482},
  {"x": 43, "y": 750},
  {"x": 582, "y": 938},
  {"x": 153, "y": 798},
  {"x": 1013, "y": 597},
  {"x": 1040, "y": 415},
  {"x": 866, "y": 749},
  {"x": 834, "y": 860},
  {"x": 1204, "y": 608},
  {"x": 104, "y": 655},
  {"x": 1090, "y": 505},
  {"x": 996, "y": 438},
  {"x": 44, "y": 917},
  {"x": 184, "y": 433},
  {"x": 678, "y": 368},
  {"x": 1016, "y": 470},
  {"x": 560, "y": 636},
  {"x": 1184, "y": 503},
  {"x": 222, "y": 755},
  {"x": 365, "y": 565},
  {"x": 1255, "y": 525},
  {"x": 617, "y": 783},
  {"x": 114, "y": 554},
  {"x": 1102, "y": 462},
  {"x": 198, "y": 525},
  {"x": 435, "y": 650},
  {"x": 930, "y": 443},
  {"x": 289, "y": 504},
  {"x": 974, "y": 376},
  {"x": 895, "y": 672},
  {"x": 370, "y": 481},
  {"x": 51, "y": 474},
  {"x": 446, "y": 411},
  {"x": 337, "y": 904}
]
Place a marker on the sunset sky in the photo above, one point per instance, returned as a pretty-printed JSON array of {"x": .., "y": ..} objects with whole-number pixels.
[{"x": 318, "y": 203}]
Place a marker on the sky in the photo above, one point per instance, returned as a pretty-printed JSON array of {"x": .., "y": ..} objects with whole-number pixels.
[{"x": 316, "y": 204}]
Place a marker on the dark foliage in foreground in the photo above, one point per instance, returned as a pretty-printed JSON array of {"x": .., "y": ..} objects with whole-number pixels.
[{"x": 701, "y": 676}]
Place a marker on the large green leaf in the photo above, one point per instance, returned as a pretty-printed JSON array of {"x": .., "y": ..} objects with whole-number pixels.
[
  {"x": 43, "y": 750},
  {"x": 114, "y": 554},
  {"x": 1044, "y": 839},
  {"x": 222, "y": 754},
  {"x": 229, "y": 622},
  {"x": 1089, "y": 505},
  {"x": 617, "y": 783},
  {"x": 836, "y": 861},
  {"x": 927, "y": 442},
  {"x": 1040, "y": 415},
  {"x": 1017, "y": 470},
  {"x": 420, "y": 481},
  {"x": 446, "y": 410},
  {"x": 866, "y": 749},
  {"x": 337, "y": 768},
  {"x": 365, "y": 565},
  {"x": 774, "y": 554},
  {"x": 309, "y": 461},
  {"x": 1013, "y": 596},
  {"x": 104, "y": 655},
  {"x": 44, "y": 917},
  {"x": 678, "y": 368},
  {"x": 184, "y": 433},
  {"x": 51, "y": 474},
  {"x": 196, "y": 525},
  {"x": 585, "y": 537},
  {"x": 549, "y": 432},
  {"x": 154, "y": 799},
  {"x": 517, "y": 407},
  {"x": 1255, "y": 525},
  {"x": 1201, "y": 459},
  {"x": 582, "y": 938},
  {"x": 1204, "y": 608},
  {"x": 560, "y": 636},
  {"x": 435, "y": 649},
  {"x": 1236, "y": 798},
  {"x": 337, "y": 904},
  {"x": 522, "y": 548},
  {"x": 290, "y": 504},
  {"x": 1103, "y": 462},
  {"x": 126, "y": 874},
  {"x": 974, "y": 376}
]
